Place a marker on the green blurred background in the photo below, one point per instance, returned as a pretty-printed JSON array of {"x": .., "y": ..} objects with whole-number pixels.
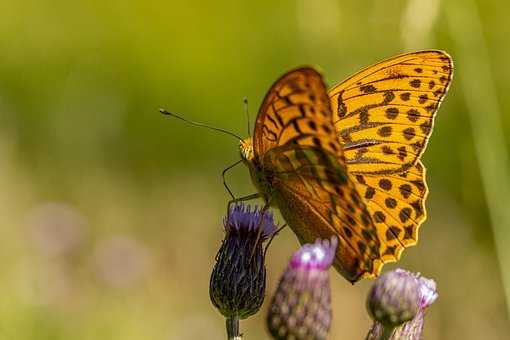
[{"x": 110, "y": 213}]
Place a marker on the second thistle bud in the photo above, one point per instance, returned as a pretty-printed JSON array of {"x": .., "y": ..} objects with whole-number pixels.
[
  {"x": 394, "y": 298},
  {"x": 238, "y": 280},
  {"x": 397, "y": 303},
  {"x": 301, "y": 305}
]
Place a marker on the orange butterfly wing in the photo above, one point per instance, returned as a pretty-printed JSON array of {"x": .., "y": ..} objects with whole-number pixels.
[
  {"x": 297, "y": 151},
  {"x": 384, "y": 114},
  {"x": 295, "y": 108}
]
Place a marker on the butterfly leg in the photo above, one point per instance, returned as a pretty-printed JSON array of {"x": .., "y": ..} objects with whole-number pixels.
[
  {"x": 272, "y": 237},
  {"x": 225, "y": 182},
  {"x": 241, "y": 199}
]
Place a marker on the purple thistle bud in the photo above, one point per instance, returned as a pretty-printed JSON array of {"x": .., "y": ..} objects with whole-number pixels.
[
  {"x": 238, "y": 280},
  {"x": 394, "y": 298},
  {"x": 301, "y": 305},
  {"x": 397, "y": 303}
]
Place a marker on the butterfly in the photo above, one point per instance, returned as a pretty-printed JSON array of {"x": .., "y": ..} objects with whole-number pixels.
[{"x": 346, "y": 162}]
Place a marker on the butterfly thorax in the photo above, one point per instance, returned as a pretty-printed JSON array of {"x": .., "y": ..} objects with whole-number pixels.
[{"x": 259, "y": 177}]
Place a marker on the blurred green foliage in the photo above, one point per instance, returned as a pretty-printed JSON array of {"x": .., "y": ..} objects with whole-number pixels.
[{"x": 111, "y": 212}]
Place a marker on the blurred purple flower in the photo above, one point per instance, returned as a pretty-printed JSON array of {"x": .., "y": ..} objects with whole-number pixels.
[
  {"x": 238, "y": 280},
  {"x": 56, "y": 229},
  {"x": 397, "y": 303},
  {"x": 121, "y": 261},
  {"x": 301, "y": 305}
]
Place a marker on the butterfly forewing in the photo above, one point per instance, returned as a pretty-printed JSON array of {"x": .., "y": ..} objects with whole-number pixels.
[
  {"x": 384, "y": 114},
  {"x": 296, "y": 110}
]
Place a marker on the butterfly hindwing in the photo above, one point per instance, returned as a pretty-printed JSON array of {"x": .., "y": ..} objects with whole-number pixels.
[
  {"x": 295, "y": 143},
  {"x": 318, "y": 199},
  {"x": 384, "y": 114}
]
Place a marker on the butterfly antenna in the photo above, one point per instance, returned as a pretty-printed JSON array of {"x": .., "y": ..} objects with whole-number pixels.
[
  {"x": 165, "y": 112},
  {"x": 245, "y": 101}
]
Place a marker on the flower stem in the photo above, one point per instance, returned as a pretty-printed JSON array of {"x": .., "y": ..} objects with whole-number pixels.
[
  {"x": 380, "y": 332},
  {"x": 387, "y": 333},
  {"x": 233, "y": 328}
]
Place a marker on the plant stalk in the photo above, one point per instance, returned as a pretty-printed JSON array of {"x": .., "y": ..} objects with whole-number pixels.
[{"x": 232, "y": 324}]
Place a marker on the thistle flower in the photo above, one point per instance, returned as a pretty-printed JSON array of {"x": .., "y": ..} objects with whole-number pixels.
[
  {"x": 397, "y": 303},
  {"x": 301, "y": 305},
  {"x": 394, "y": 298},
  {"x": 238, "y": 280}
]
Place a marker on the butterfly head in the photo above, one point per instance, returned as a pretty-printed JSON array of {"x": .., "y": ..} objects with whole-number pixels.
[{"x": 246, "y": 149}]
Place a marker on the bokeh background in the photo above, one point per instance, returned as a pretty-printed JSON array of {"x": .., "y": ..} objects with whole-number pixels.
[{"x": 110, "y": 213}]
